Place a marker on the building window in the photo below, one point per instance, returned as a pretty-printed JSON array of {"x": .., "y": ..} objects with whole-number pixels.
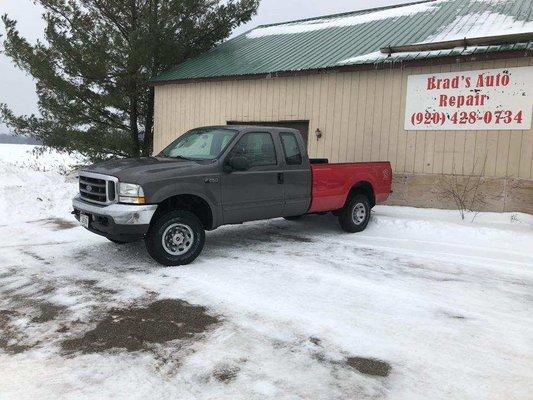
[{"x": 293, "y": 155}]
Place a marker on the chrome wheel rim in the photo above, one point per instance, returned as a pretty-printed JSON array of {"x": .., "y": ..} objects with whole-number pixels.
[
  {"x": 358, "y": 213},
  {"x": 177, "y": 239}
]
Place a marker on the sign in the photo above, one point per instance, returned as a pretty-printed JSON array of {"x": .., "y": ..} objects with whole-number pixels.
[{"x": 490, "y": 99}]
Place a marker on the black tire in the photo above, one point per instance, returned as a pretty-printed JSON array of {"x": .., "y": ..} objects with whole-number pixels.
[
  {"x": 179, "y": 219},
  {"x": 355, "y": 223},
  {"x": 117, "y": 241},
  {"x": 293, "y": 217}
]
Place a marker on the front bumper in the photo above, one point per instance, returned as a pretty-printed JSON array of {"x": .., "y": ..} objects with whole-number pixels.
[{"x": 116, "y": 221}]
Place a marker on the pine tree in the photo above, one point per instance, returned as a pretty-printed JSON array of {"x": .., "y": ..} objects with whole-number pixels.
[{"x": 93, "y": 66}]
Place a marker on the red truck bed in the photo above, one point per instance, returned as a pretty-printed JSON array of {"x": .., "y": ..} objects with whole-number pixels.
[{"x": 331, "y": 183}]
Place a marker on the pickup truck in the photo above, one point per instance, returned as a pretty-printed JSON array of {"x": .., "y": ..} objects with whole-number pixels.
[{"x": 220, "y": 175}]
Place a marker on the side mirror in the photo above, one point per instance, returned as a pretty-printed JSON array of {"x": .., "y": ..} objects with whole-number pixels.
[{"x": 237, "y": 163}]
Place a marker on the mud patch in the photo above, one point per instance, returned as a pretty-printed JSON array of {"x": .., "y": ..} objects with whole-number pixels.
[
  {"x": 87, "y": 283},
  {"x": 10, "y": 338},
  {"x": 13, "y": 348},
  {"x": 134, "y": 329},
  {"x": 453, "y": 315},
  {"x": 48, "y": 312},
  {"x": 290, "y": 236},
  {"x": 35, "y": 256},
  {"x": 226, "y": 374},
  {"x": 57, "y": 224},
  {"x": 316, "y": 341},
  {"x": 92, "y": 285},
  {"x": 369, "y": 366},
  {"x": 26, "y": 300},
  {"x": 12, "y": 270},
  {"x": 296, "y": 238}
]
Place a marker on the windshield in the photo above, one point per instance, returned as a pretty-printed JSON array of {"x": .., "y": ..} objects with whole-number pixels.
[{"x": 200, "y": 144}]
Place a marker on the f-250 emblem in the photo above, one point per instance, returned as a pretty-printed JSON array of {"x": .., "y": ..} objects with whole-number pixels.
[{"x": 211, "y": 180}]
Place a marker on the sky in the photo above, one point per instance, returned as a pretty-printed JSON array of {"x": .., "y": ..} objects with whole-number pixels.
[{"x": 18, "y": 90}]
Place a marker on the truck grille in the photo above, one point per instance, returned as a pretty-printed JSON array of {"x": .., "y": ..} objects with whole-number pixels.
[{"x": 97, "y": 188}]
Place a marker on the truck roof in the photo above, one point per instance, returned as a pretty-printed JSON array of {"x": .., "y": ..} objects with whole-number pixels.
[{"x": 243, "y": 128}]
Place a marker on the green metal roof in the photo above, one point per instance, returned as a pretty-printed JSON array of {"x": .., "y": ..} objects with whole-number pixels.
[{"x": 356, "y": 37}]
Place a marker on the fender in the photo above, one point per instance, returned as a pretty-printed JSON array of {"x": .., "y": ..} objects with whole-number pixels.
[{"x": 211, "y": 196}]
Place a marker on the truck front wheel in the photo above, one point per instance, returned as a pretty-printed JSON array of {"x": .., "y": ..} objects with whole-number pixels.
[
  {"x": 355, "y": 214},
  {"x": 175, "y": 238}
]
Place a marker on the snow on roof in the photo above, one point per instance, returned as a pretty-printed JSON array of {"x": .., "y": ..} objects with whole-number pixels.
[
  {"x": 378, "y": 56},
  {"x": 476, "y": 25},
  {"x": 341, "y": 20},
  {"x": 472, "y": 25}
]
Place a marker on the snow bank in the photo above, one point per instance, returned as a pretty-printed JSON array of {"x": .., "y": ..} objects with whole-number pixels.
[
  {"x": 38, "y": 158},
  {"x": 34, "y": 186}
]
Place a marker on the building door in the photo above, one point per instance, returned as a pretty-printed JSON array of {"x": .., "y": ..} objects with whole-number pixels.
[
  {"x": 302, "y": 126},
  {"x": 256, "y": 193}
]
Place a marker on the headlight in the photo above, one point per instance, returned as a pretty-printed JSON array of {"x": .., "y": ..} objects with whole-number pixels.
[{"x": 130, "y": 193}]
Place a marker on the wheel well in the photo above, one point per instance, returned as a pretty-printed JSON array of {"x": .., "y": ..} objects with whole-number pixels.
[
  {"x": 191, "y": 203},
  {"x": 363, "y": 188}
]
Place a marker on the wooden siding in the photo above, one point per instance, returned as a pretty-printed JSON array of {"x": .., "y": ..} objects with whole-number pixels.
[{"x": 360, "y": 113}]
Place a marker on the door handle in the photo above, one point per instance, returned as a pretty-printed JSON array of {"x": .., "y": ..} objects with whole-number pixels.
[{"x": 281, "y": 178}]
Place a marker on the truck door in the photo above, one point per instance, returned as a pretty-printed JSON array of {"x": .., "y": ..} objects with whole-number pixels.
[
  {"x": 296, "y": 176},
  {"x": 257, "y": 192}
]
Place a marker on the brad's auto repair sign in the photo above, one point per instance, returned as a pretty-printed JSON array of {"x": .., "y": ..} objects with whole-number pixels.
[{"x": 470, "y": 100}]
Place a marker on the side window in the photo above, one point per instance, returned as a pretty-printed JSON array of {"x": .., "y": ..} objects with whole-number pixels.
[
  {"x": 293, "y": 155},
  {"x": 257, "y": 147}
]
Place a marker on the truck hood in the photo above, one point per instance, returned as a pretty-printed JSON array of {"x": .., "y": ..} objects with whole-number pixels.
[{"x": 139, "y": 170}]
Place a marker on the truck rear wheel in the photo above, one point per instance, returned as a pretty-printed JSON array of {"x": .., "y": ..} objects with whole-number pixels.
[
  {"x": 175, "y": 238},
  {"x": 355, "y": 215}
]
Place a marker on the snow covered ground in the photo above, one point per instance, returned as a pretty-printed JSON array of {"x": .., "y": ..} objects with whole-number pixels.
[{"x": 419, "y": 306}]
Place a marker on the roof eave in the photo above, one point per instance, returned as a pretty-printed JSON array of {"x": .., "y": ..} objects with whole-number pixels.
[{"x": 371, "y": 65}]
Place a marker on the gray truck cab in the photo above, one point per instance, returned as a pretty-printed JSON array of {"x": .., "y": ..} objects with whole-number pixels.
[{"x": 206, "y": 178}]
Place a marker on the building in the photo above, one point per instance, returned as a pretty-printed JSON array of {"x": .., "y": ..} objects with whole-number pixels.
[{"x": 442, "y": 89}]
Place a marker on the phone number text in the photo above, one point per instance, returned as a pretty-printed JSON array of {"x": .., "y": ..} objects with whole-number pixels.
[{"x": 498, "y": 117}]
